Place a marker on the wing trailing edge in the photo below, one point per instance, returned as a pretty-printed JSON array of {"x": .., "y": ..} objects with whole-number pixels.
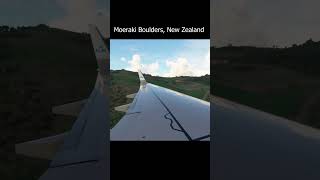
[
  {"x": 70, "y": 109},
  {"x": 122, "y": 108},
  {"x": 44, "y": 148},
  {"x": 131, "y": 96}
]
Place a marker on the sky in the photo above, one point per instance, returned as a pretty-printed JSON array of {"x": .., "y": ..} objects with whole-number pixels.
[
  {"x": 167, "y": 58},
  {"x": 264, "y": 23},
  {"x": 73, "y": 15}
]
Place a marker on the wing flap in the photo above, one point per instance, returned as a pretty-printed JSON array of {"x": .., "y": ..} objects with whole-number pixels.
[
  {"x": 70, "y": 109},
  {"x": 79, "y": 171},
  {"x": 44, "y": 148},
  {"x": 131, "y": 96},
  {"x": 123, "y": 108}
]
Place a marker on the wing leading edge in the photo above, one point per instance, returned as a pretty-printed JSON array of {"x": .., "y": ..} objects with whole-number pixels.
[{"x": 157, "y": 113}]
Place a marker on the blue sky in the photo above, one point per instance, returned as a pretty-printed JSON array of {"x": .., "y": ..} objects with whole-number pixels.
[{"x": 161, "y": 57}]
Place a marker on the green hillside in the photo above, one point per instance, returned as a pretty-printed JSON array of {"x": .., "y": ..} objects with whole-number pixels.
[{"x": 282, "y": 81}]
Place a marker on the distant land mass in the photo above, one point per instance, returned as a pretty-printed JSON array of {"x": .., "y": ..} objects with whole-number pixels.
[
  {"x": 281, "y": 81},
  {"x": 304, "y": 57}
]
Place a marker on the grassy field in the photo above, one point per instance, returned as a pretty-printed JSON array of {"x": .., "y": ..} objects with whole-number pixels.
[
  {"x": 276, "y": 90},
  {"x": 127, "y": 82},
  {"x": 281, "y": 80}
]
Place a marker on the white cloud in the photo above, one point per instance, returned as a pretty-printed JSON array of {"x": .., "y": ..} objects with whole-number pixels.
[
  {"x": 197, "y": 54},
  {"x": 189, "y": 66},
  {"x": 193, "y": 59},
  {"x": 202, "y": 65},
  {"x": 179, "y": 67},
  {"x": 135, "y": 64},
  {"x": 150, "y": 68}
]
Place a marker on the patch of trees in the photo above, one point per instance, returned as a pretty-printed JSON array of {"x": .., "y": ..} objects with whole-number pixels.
[
  {"x": 304, "y": 57},
  {"x": 38, "y": 28}
]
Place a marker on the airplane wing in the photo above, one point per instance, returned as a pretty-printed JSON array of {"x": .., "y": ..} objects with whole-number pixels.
[
  {"x": 157, "y": 113},
  {"x": 251, "y": 144},
  {"x": 82, "y": 152}
]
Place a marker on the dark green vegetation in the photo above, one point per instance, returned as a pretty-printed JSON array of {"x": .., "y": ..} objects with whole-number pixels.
[
  {"x": 303, "y": 58},
  {"x": 122, "y": 84},
  {"x": 40, "y": 67},
  {"x": 282, "y": 81},
  {"x": 127, "y": 82}
]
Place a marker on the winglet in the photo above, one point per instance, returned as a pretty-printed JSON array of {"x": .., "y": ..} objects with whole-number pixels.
[
  {"x": 141, "y": 78},
  {"x": 102, "y": 56}
]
